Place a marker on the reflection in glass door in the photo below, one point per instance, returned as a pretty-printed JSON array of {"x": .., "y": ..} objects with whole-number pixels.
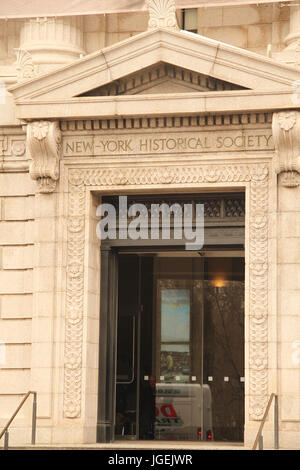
[
  {"x": 178, "y": 284},
  {"x": 223, "y": 347},
  {"x": 180, "y": 348}
]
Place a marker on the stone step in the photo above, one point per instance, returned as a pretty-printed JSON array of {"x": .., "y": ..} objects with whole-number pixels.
[{"x": 136, "y": 446}]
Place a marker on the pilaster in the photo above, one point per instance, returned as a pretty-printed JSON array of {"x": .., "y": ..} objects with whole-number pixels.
[
  {"x": 287, "y": 166},
  {"x": 44, "y": 318}
]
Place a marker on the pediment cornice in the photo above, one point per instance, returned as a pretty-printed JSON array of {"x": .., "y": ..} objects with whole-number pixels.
[
  {"x": 179, "y": 48},
  {"x": 243, "y": 71}
]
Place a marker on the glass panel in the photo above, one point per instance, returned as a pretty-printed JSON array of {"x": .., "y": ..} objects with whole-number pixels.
[
  {"x": 175, "y": 334},
  {"x": 126, "y": 350},
  {"x": 147, "y": 351},
  {"x": 175, "y": 311},
  {"x": 178, "y": 368},
  {"x": 126, "y": 387},
  {"x": 180, "y": 364},
  {"x": 224, "y": 345},
  {"x": 175, "y": 362},
  {"x": 190, "y": 16},
  {"x": 107, "y": 350}
]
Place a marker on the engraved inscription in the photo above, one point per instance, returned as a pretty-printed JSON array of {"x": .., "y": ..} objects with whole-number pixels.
[{"x": 188, "y": 142}]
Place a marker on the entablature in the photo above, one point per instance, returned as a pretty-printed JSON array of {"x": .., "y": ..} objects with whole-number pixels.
[
  {"x": 132, "y": 106},
  {"x": 162, "y": 136}
]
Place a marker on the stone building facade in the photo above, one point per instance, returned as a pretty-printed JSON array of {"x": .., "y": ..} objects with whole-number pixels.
[{"x": 136, "y": 104}]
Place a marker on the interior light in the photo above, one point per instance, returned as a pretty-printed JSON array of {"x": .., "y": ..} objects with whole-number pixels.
[{"x": 219, "y": 282}]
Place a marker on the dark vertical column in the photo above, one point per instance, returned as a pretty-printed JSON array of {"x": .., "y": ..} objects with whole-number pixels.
[
  {"x": 138, "y": 362},
  {"x": 107, "y": 349},
  {"x": 197, "y": 340},
  {"x": 147, "y": 388}
]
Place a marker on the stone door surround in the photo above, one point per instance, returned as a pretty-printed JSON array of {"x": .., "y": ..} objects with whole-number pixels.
[{"x": 253, "y": 176}]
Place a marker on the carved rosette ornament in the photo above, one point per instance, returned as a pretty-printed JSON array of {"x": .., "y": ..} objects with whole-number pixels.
[
  {"x": 286, "y": 134},
  {"x": 162, "y": 14},
  {"x": 43, "y": 147},
  {"x": 257, "y": 179}
]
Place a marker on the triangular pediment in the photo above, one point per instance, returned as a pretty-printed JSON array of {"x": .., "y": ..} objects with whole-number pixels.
[
  {"x": 157, "y": 63},
  {"x": 162, "y": 78}
]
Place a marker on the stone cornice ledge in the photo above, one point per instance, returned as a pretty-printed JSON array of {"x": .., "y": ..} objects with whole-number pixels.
[{"x": 157, "y": 105}]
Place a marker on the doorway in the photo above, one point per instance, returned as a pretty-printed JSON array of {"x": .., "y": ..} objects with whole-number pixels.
[
  {"x": 180, "y": 347},
  {"x": 171, "y": 355}
]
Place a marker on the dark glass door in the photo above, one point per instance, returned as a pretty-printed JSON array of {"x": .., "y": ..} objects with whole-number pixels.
[
  {"x": 159, "y": 390},
  {"x": 180, "y": 347},
  {"x": 223, "y": 347},
  {"x": 108, "y": 347},
  {"x": 127, "y": 383}
]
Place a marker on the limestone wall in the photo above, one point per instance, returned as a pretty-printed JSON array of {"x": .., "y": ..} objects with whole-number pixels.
[
  {"x": 16, "y": 296},
  {"x": 9, "y": 40},
  {"x": 288, "y": 309},
  {"x": 250, "y": 27}
]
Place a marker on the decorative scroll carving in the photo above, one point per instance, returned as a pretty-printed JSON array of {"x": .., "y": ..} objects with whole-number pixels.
[
  {"x": 74, "y": 307},
  {"x": 167, "y": 175},
  {"x": 258, "y": 297},
  {"x": 256, "y": 176},
  {"x": 286, "y": 131},
  {"x": 162, "y": 14},
  {"x": 43, "y": 147}
]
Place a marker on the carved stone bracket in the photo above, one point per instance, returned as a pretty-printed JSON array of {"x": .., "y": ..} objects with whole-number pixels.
[
  {"x": 286, "y": 134},
  {"x": 162, "y": 14},
  {"x": 43, "y": 147},
  {"x": 257, "y": 178}
]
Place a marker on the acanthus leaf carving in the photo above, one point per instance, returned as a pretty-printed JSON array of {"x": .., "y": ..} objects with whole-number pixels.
[
  {"x": 43, "y": 147},
  {"x": 287, "y": 120},
  {"x": 286, "y": 129}
]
